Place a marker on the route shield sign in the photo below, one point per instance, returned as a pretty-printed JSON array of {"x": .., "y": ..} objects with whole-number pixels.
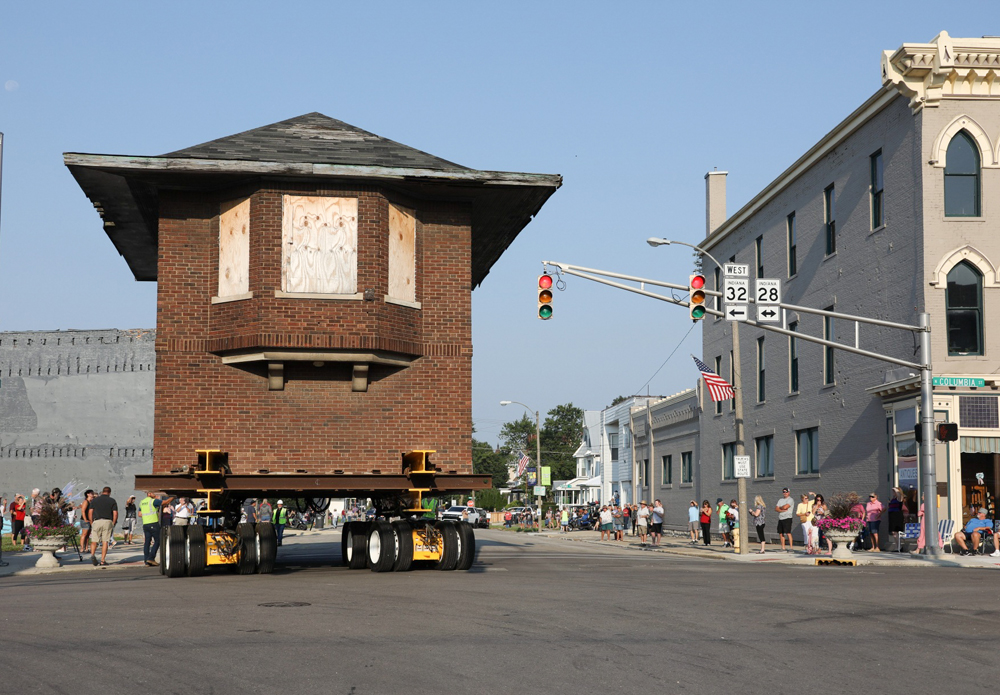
[
  {"x": 768, "y": 291},
  {"x": 736, "y": 290}
]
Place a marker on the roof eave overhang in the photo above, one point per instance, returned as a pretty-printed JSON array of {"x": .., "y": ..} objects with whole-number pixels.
[{"x": 124, "y": 190}]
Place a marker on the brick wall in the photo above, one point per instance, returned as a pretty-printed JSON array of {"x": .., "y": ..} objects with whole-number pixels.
[{"x": 316, "y": 423}]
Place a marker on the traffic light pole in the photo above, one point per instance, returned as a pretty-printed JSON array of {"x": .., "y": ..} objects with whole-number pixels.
[{"x": 927, "y": 465}]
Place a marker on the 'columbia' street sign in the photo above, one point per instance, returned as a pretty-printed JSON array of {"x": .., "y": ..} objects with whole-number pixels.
[{"x": 959, "y": 381}]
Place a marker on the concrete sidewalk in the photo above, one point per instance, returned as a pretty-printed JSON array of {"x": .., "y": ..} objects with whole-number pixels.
[{"x": 677, "y": 545}]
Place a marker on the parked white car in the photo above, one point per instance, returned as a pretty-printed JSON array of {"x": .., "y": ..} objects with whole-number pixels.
[{"x": 455, "y": 514}]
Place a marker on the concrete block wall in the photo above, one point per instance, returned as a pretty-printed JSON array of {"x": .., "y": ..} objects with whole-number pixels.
[{"x": 76, "y": 407}]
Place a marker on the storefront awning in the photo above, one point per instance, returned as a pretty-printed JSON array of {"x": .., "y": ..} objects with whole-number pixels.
[{"x": 979, "y": 445}]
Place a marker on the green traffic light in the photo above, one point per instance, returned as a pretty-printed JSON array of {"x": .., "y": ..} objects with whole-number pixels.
[
  {"x": 544, "y": 312},
  {"x": 698, "y": 312}
]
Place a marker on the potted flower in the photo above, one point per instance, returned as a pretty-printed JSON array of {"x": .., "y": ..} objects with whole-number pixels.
[
  {"x": 839, "y": 525},
  {"x": 52, "y": 530}
]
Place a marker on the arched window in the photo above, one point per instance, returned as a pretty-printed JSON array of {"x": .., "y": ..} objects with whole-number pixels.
[
  {"x": 961, "y": 177},
  {"x": 964, "y": 301}
]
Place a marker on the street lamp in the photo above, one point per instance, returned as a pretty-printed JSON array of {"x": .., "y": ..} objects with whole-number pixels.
[
  {"x": 738, "y": 410},
  {"x": 538, "y": 456}
]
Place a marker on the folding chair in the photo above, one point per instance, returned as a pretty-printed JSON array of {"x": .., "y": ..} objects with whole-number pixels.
[
  {"x": 946, "y": 534},
  {"x": 911, "y": 532}
]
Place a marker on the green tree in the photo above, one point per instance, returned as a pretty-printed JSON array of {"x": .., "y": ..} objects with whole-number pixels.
[
  {"x": 561, "y": 436},
  {"x": 617, "y": 400},
  {"x": 486, "y": 461},
  {"x": 491, "y": 500}
]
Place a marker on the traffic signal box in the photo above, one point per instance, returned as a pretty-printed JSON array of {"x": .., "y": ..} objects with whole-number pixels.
[
  {"x": 696, "y": 296},
  {"x": 944, "y": 431},
  {"x": 545, "y": 296}
]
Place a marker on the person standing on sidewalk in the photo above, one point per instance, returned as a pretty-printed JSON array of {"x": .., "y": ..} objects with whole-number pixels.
[
  {"x": 693, "y": 525},
  {"x": 786, "y": 510},
  {"x": 280, "y": 520},
  {"x": 264, "y": 511},
  {"x": 149, "y": 514},
  {"x": 721, "y": 508},
  {"x": 103, "y": 512},
  {"x": 759, "y": 515},
  {"x": 18, "y": 510},
  {"x": 643, "y": 522},
  {"x": 656, "y": 530},
  {"x": 88, "y": 497},
  {"x": 873, "y": 515},
  {"x": 804, "y": 511},
  {"x": 705, "y": 521},
  {"x": 128, "y": 525}
]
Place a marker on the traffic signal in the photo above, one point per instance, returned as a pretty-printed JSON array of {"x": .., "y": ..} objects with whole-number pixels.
[
  {"x": 696, "y": 296},
  {"x": 943, "y": 432},
  {"x": 947, "y": 431},
  {"x": 545, "y": 296}
]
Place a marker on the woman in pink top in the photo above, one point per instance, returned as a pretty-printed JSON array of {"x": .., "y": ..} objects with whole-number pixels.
[{"x": 873, "y": 514}]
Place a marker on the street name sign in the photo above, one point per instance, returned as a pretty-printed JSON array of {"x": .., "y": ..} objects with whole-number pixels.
[
  {"x": 742, "y": 466},
  {"x": 539, "y": 491},
  {"x": 975, "y": 382},
  {"x": 736, "y": 312}
]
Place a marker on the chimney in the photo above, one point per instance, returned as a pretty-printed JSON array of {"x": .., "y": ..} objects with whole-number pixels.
[{"x": 715, "y": 200}]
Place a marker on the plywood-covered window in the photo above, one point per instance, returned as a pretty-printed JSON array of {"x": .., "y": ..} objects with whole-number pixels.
[
  {"x": 319, "y": 245},
  {"x": 402, "y": 255},
  {"x": 234, "y": 249}
]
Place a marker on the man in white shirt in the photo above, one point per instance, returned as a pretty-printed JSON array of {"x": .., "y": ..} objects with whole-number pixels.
[{"x": 656, "y": 530}]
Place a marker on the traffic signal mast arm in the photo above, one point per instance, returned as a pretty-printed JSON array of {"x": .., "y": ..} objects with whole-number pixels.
[{"x": 594, "y": 274}]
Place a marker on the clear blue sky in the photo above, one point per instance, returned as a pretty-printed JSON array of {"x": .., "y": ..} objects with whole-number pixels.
[{"x": 630, "y": 102}]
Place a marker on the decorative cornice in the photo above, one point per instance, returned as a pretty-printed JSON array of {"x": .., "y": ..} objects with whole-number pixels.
[{"x": 945, "y": 68}]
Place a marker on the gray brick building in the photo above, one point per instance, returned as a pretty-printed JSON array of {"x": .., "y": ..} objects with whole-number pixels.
[{"x": 888, "y": 216}]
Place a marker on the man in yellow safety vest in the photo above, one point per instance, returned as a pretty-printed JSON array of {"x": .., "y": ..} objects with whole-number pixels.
[{"x": 149, "y": 514}]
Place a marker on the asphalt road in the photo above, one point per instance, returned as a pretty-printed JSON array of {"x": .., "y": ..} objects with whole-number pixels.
[{"x": 533, "y": 615}]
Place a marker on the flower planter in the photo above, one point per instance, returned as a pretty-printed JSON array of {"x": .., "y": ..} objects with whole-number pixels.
[
  {"x": 48, "y": 546},
  {"x": 841, "y": 538}
]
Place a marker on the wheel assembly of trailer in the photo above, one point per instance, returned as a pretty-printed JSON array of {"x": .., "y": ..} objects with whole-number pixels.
[{"x": 399, "y": 539}]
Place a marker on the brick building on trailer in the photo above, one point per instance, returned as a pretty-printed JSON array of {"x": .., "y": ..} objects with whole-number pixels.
[{"x": 314, "y": 282}]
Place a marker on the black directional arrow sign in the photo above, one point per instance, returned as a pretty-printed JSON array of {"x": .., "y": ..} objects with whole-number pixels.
[
  {"x": 736, "y": 312},
  {"x": 767, "y": 313}
]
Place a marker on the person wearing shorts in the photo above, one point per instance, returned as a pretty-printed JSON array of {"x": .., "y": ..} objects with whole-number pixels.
[
  {"x": 693, "y": 525},
  {"x": 103, "y": 513},
  {"x": 606, "y": 523},
  {"x": 786, "y": 510},
  {"x": 618, "y": 519},
  {"x": 656, "y": 529}
]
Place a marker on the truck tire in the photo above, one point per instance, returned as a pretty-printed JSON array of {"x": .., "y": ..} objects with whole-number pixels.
[
  {"x": 357, "y": 549},
  {"x": 247, "y": 562},
  {"x": 176, "y": 542},
  {"x": 467, "y": 546},
  {"x": 267, "y": 547},
  {"x": 449, "y": 553},
  {"x": 345, "y": 542},
  {"x": 196, "y": 551},
  {"x": 404, "y": 546},
  {"x": 381, "y": 546},
  {"x": 162, "y": 552}
]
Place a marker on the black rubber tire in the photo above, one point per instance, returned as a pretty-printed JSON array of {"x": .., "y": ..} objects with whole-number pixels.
[
  {"x": 381, "y": 547},
  {"x": 357, "y": 554},
  {"x": 267, "y": 547},
  {"x": 449, "y": 554},
  {"x": 247, "y": 562},
  {"x": 404, "y": 546},
  {"x": 196, "y": 551},
  {"x": 162, "y": 551},
  {"x": 467, "y": 546},
  {"x": 176, "y": 542},
  {"x": 344, "y": 543}
]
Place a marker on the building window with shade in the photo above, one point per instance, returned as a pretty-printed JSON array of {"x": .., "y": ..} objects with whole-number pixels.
[{"x": 964, "y": 308}]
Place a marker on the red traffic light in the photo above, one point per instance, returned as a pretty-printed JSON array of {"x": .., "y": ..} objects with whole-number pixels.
[
  {"x": 544, "y": 282},
  {"x": 697, "y": 282}
]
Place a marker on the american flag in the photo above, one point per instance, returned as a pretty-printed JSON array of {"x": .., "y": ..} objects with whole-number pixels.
[
  {"x": 522, "y": 463},
  {"x": 718, "y": 388}
]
